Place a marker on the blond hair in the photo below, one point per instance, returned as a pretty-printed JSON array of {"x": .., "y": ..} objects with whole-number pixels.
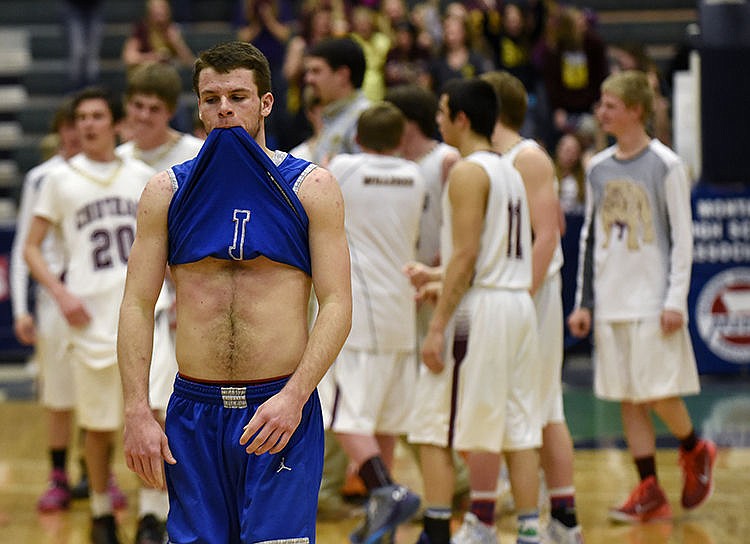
[{"x": 633, "y": 88}]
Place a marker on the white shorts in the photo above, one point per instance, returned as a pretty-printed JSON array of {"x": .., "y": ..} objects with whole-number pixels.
[
  {"x": 374, "y": 392},
  {"x": 549, "y": 315},
  {"x": 52, "y": 353},
  {"x": 327, "y": 394},
  {"x": 499, "y": 400},
  {"x": 635, "y": 361},
  {"x": 163, "y": 364},
  {"x": 98, "y": 396},
  {"x": 433, "y": 396}
]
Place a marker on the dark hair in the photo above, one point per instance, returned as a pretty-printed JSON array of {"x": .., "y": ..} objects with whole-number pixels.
[
  {"x": 512, "y": 100},
  {"x": 64, "y": 115},
  {"x": 417, "y": 104},
  {"x": 229, "y": 56},
  {"x": 380, "y": 127},
  {"x": 113, "y": 102},
  {"x": 476, "y": 99},
  {"x": 338, "y": 52},
  {"x": 155, "y": 78}
]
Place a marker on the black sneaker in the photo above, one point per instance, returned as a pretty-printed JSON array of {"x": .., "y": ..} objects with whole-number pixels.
[
  {"x": 150, "y": 530},
  {"x": 104, "y": 530},
  {"x": 81, "y": 489}
]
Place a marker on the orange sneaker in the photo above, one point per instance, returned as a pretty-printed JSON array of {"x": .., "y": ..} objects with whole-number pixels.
[
  {"x": 646, "y": 503},
  {"x": 697, "y": 470}
]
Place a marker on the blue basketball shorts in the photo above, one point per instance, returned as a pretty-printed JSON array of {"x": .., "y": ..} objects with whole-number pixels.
[{"x": 220, "y": 494}]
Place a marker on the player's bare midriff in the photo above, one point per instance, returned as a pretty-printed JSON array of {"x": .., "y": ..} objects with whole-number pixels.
[{"x": 240, "y": 320}]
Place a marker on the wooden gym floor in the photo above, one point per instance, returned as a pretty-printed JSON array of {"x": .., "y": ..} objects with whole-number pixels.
[{"x": 604, "y": 473}]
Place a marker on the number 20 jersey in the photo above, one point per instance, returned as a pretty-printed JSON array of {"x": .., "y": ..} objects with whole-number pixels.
[
  {"x": 96, "y": 218},
  {"x": 504, "y": 259}
]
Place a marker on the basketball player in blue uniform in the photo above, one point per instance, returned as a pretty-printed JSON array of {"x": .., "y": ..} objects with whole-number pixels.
[{"x": 246, "y": 232}]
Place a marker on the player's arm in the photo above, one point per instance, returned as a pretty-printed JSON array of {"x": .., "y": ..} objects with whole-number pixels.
[
  {"x": 276, "y": 420},
  {"x": 468, "y": 189},
  {"x": 144, "y": 440},
  {"x": 580, "y": 319},
  {"x": 538, "y": 176},
  {"x": 70, "y": 306},
  {"x": 23, "y": 321},
  {"x": 674, "y": 312}
]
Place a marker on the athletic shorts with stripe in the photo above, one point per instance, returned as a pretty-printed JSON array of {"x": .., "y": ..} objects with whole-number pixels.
[{"x": 220, "y": 493}]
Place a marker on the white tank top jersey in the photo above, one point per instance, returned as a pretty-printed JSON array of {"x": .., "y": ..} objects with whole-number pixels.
[
  {"x": 556, "y": 262},
  {"x": 94, "y": 205},
  {"x": 383, "y": 197},
  {"x": 431, "y": 165},
  {"x": 504, "y": 260}
]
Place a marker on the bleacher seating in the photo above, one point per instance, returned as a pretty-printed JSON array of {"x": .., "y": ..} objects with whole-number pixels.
[{"x": 45, "y": 79}]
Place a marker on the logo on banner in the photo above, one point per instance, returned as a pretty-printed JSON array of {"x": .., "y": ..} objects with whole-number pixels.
[{"x": 722, "y": 314}]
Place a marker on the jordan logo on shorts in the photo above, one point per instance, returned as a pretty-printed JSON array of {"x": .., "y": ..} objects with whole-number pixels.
[{"x": 282, "y": 466}]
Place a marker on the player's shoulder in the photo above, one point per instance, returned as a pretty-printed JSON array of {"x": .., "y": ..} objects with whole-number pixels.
[
  {"x": 599, "y": 157},
  {"x": 664, "y": 153},
  {"x": 319, "y": 175},
  {"x": 319, "y": 192},
  {"x": 531, "y": 151},
  {"x": 159, "y": 189}
]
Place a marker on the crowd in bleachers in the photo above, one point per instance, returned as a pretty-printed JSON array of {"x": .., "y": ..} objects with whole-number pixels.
[{"x": 553, "y": 47}]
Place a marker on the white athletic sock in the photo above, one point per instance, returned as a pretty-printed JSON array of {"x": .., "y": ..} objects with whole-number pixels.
[
  {"x": 153, "y": 501},
  {"x": 101, "y": 504}
]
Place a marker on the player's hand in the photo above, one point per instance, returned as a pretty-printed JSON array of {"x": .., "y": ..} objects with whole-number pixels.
[
  {"x": 429, "y": 292},
  {"x": 420, "y": 274},
  {"x": 671, "y": 321},
  {"x": 272, "y": 425},
  {"x": 579, "y": 322},
  {"x": 146, "y": 448},
  {"x": 432, "y": 351},
  {"x": 74, "y": 310},
  {"x": 25, "y": 330}
]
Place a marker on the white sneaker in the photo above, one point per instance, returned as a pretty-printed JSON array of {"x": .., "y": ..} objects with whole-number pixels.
[
  {"x": 558, "y": 533},
  {"x": 473, "y": 531}
]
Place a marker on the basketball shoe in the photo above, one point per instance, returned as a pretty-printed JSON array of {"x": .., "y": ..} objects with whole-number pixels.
[
  {"x": 104, "y": 530},
  {"x": 647, "y": 502},
  {"x": 558, "y": 533},
  {"x": 387, "y": 507},
  {"x": 697, "y": 470},
  {"x": 473, "y": 531},
  {"x": 57, "y": 497}
]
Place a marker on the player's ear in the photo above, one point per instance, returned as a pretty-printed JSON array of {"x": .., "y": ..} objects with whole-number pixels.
[{"x": 266, "y": 103}]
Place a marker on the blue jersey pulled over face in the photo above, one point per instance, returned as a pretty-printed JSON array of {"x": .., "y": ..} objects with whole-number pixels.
[{"x": 232, "y": 202}]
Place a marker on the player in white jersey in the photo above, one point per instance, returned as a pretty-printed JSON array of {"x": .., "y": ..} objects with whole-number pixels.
[
  {"x": 439, "y": 464},
  {"x": 151, "y": 99},
  {"x": 91, "y": 201},
  {"x": 376, "y": 369},
  {"x": 634, "y": 271},
  {"x": 44, "y": 327},
  {"x": 485, "y": 315},
  {"x": 538, "y": 174}
]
